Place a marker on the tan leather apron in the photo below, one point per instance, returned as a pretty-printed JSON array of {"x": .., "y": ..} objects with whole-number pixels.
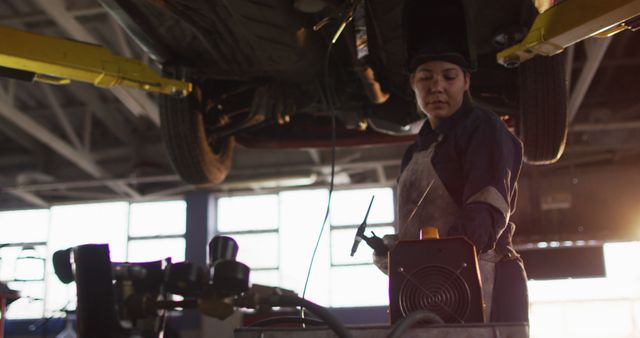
[{"x": 437, "y": 209}]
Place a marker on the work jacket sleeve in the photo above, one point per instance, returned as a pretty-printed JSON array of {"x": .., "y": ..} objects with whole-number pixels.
[{"x": 491, "y": 160}]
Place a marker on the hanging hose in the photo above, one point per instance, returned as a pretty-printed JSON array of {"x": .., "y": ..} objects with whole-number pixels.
[
  {"x": 255, "y": 300},
  {"x": 407, "y": 322},
  {"x": 287, "y": 320}
]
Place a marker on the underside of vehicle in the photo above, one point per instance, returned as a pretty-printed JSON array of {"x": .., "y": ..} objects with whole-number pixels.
[{"x": 265, "y": 75}]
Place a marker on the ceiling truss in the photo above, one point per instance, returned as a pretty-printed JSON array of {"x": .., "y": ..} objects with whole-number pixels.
[{"x": 103, "y": 134}]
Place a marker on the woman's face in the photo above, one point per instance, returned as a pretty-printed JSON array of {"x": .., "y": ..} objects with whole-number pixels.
[{"x": 439, "y": 87}]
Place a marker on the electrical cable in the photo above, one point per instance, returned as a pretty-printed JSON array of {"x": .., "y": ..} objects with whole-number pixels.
[
  {"x": 43, "y": 323},
  {"x": 322, "y": 313},
  {"x": 329, "y": 99},
  {"x": 333, "y": 166},
  {"x": 424, "y": 316},
  {"x": 333, "y": 162},
  {"x": 287, "y": 320}
]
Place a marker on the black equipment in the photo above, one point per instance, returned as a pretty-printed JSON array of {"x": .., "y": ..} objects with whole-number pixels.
[
  {"x": 124, "y": 299},
  {"x": 439, "y": 275},
  {"x": 375, "y": 242},
  {"x": 131, "y": 299},
  {"x": 428, "y": 285}
]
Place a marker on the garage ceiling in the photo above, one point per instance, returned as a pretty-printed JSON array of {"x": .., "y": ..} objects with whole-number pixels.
[{"x": 65, "y": 144}]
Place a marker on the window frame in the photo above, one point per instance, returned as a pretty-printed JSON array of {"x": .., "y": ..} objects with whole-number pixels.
[
  {"x": 46, "y": 286},
  {"x": 329, "y": 227}
]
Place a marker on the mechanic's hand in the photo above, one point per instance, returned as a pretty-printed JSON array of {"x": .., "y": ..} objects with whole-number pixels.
[{"x": 382, "y": 262}]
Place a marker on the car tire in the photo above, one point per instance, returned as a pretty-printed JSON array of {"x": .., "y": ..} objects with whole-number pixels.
[
  {"x": 198, "y": 158},
  {"x": 543, "y": 108}
]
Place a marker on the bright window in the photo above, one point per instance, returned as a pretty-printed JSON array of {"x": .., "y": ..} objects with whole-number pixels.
[
  {"x": 253, "y": 222},
  {"x": 134, "y": 232},
  {"x": 259, "y": 212},
  {"x": 342, "y": 241},
  {"x": 147, "y": 250},
  {"x": 279, "y": 250},
  {"x": 348, "y": 207},
  {"x": 157, "y": 219},
  {"x": 73, "y": 225},
  {"x": 362, "y": 285},
  {"x": 23, "y": 268},
  {"x": 26, "y": 226},
  {"x": 260, "y": 251},
  {"x": 593, "y": 307}
]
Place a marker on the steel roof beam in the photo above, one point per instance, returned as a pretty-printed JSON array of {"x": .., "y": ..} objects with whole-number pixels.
[
  {"x": 61, "y": 116},
  {"x": 98, "y": 183},
  {"x": 28, "y": 197},
  {"x": 86, "y": 130},
  {"x": 137, "y": 102},
  {"x": 8, "y": 93},
  {"x": 382, "y": 177},
  {"x": 120, "y": 37},
  {"x": 35, "y": 17},
  {"x": 114, "y": 122},
  {"x": 78, "y": 157},
  {"x": 20, "y": 137},
  {"x": 595, "y": 48},
  {"x": 315, "y": 155}
]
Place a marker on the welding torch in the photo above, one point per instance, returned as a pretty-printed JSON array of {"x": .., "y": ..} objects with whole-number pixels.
[{"x": 375, "y": 242}]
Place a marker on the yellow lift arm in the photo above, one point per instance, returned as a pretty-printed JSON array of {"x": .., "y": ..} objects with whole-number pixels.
[
  {"x": 568, "y": 23},
  {"x": 59, "y": 61},
  {"x": 56, "y": 60}
]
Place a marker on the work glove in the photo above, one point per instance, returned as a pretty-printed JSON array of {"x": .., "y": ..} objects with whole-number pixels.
[{"x": 382, "y": 261}]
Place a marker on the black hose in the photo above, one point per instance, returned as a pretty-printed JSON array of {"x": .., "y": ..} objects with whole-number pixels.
[
  {"x": 287, "y": 320},
  {"x": 324, "y": 314},
  {"x": 407, "y": 322}
]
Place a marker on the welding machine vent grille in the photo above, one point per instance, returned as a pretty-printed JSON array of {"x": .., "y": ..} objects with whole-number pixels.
[
  {"x": 440, "y": 275},
  {"x": 436, "y": 288}
]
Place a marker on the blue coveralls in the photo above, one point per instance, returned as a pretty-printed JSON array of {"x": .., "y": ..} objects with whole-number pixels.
[{"x": 469, "y": 164}]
